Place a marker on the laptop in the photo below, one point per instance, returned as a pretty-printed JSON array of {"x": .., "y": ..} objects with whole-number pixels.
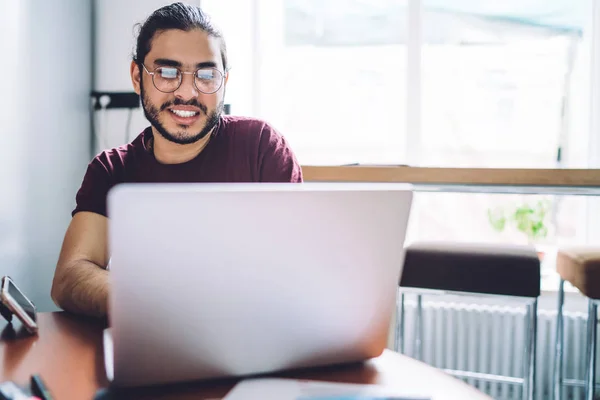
[{"x": 232, "y": 280}]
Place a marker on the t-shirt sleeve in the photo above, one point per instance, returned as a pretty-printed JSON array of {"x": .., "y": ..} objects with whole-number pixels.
[
  {"x": 278, "y": 162},
  {"x": 91, "y": 196}
]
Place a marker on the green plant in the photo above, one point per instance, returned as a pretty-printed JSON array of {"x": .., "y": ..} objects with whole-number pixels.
[{"x": 526, "y": 218}]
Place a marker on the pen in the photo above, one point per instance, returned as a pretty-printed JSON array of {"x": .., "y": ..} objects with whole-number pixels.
[{"x": 39, "y": 388}]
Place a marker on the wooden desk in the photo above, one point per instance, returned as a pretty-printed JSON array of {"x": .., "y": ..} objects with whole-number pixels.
[{"x": 67, "y": 353}]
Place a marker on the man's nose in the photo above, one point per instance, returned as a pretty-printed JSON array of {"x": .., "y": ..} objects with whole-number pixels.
[{"x": 187, "y": 90}]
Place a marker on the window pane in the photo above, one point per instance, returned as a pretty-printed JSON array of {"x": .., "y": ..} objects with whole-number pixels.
[
  {"x": 332, "y": 78},
  {"x": 497, "y": 76}
]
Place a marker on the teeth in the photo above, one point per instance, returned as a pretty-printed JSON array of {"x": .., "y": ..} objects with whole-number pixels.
[{"x": 184, "y": 114}]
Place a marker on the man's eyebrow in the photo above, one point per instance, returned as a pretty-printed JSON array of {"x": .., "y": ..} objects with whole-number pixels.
[
  {"x": 206, "y": 64},
  {"x": 166, "y": 62}
]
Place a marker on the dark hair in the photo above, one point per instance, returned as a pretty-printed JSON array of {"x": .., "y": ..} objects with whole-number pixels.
[{"x": 175, "y": 16}]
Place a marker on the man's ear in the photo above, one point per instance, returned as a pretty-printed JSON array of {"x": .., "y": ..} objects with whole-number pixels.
[
  {"x": 226, "y": 77},
  {"x": 136, "y": 76}
]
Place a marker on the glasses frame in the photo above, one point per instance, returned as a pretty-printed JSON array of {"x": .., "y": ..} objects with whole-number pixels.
[{"x": 153, "y": 73}]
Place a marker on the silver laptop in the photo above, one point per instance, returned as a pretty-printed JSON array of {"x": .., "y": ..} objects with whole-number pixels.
[{"x": 221, "y": 280}]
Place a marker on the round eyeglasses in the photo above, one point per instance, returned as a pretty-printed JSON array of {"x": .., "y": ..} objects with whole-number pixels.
[{"x": 168, "y": 79}]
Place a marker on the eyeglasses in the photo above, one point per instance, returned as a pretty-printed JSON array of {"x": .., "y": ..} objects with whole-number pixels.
[{"x": 168, "y": 79}]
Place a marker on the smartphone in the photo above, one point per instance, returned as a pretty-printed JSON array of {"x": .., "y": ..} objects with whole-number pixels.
[{"x": 15, "y": 301}]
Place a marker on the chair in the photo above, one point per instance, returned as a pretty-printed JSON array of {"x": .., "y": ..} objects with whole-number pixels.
[
  {"x": 580, "y": 266},
  {"x": 475, "y": 270}
]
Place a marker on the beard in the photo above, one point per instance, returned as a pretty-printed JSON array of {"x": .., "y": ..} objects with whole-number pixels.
[{"x": 184, "y": 136}]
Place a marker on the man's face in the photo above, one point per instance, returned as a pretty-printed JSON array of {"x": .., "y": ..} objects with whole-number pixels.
[{"x": 185, "y": 115}]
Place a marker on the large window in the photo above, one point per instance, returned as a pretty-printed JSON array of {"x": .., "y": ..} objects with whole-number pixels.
[
  {"x": 499, "y": 84},
  {"x": 455, "y": 83}
]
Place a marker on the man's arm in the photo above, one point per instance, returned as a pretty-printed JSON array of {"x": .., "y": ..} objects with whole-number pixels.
[{"x": 80, "y": 282}]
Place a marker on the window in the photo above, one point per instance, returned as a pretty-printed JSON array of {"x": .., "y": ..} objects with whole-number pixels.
[{"x": 503, "y": 84}]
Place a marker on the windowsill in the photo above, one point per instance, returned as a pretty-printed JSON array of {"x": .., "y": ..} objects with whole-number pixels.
[{"x": 569, "y": 181}]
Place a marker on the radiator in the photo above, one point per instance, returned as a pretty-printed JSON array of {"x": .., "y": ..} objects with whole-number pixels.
[{"x": 490, "y": 339}]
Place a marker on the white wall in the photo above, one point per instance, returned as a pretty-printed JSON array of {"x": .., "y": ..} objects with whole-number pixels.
[
  {"x": 45, "y": 135},
  {"x": 12, "y": 146}
]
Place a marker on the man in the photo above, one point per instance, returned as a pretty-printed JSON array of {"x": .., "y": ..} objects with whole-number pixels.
[{"x": 180, "y": 71}]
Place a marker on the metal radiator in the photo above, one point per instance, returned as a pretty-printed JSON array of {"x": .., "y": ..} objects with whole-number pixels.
[{"x": 490, "y": 339}]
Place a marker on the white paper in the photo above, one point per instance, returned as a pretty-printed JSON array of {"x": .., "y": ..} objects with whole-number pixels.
[{"x": 291, "y": 389}]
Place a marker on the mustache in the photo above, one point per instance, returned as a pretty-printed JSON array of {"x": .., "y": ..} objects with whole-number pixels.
[{"x": 179, "y": 102}]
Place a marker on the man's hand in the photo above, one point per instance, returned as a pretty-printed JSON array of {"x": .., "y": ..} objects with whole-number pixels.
[{"x": 80, "y": 282}]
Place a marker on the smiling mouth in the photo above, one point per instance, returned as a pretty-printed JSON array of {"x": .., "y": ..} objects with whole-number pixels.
[{"x": 184, "y": 114}]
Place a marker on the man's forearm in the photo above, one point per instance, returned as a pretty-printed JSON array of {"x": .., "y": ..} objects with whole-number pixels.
[{"x": 82, "y": 288}]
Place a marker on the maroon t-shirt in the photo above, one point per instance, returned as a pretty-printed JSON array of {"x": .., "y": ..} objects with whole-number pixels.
[{"x": 241, "y": 150}]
